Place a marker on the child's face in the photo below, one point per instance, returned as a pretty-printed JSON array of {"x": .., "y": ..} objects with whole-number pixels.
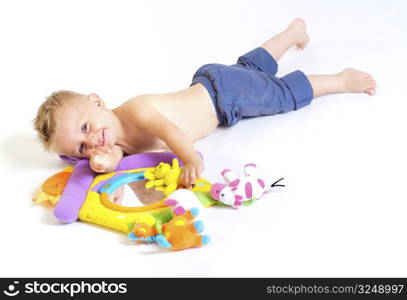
[{"x": 83, "y": 125}]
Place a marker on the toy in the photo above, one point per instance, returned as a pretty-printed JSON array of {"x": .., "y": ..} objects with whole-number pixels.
[
  {"x": 53, "y": 187},
  {"x": 175, "y": 222},
  {"x": 81, "y": 197},
  {"x": 81, "y": 193},
  {"x": 164, "y": 177},
  {"x": 177, "y": 234},
  {"x": 180, "y": 232},
  {"x": 145, "y": 229},
  {"x": 182, "y": 200},
  {"x": 241, "y": 190}
]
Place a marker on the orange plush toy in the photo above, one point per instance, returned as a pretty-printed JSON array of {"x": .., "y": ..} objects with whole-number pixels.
[
  {"x": 178, "y": 234},
  {"x": 181, "y": 233}
]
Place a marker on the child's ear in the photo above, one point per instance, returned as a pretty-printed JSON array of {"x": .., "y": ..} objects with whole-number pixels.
[{"x": 93, "y": 98}]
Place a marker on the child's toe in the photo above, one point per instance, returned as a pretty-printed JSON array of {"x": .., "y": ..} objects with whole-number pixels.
[
  {"x": 371, "y": 91},
  {"x": 372, "y": 84}
]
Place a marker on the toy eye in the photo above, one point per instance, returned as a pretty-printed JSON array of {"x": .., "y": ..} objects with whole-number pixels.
[{"x": 222, "y": 195}]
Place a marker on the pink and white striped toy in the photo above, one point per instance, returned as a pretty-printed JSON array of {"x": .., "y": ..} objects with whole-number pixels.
[{"x": 241, "y": 190}]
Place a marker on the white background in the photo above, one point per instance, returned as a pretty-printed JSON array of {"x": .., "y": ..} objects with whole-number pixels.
[{"x": 343, "y": 212}]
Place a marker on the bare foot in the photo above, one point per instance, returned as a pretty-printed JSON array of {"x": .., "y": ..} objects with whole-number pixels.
[
  {"x": 356, "y": 81},
  {"x": 299, "y": 30}
]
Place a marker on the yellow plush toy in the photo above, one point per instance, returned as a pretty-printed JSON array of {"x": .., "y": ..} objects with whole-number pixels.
[{"x": 164, "y": 178}]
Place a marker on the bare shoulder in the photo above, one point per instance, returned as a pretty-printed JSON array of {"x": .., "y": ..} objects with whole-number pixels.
[
  {"x": 137, "y": 110},
  {"x": 136, "y": 102}
]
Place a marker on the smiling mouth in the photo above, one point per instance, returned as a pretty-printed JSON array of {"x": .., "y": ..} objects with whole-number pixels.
[{"x": 103, "y": 137}]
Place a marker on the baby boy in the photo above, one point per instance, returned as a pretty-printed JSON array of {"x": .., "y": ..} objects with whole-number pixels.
[{"x": 81, "y": 126}]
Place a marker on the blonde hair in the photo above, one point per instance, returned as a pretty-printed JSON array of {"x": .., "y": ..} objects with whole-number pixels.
[{"x": 45, "y": 122}]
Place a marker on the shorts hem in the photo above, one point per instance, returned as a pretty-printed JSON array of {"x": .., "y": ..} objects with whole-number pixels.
[
  {"x": 300, "y": 87},
  {"x": 261, "y": 59}
]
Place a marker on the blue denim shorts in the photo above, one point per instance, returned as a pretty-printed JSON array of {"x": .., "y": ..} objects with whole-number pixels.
[{"x": 250, "y": 88}]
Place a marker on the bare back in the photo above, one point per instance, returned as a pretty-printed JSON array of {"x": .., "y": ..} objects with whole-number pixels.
[{"x": 191, "y": 110}]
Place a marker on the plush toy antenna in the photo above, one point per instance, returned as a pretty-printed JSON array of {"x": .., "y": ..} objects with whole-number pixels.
[{"x": 275, "y": 183}]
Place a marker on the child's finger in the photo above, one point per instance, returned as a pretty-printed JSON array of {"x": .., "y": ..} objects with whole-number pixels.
[
  {"x": 100, "y": 167},
  {"x": 105, "y": 149},
  {"x": 92, "y": 152},
  {"x": 188, "y": 178},
  {"x": 184, "y": 177},
  {"x": 192, "y": 176},
  {"x": 96, "y": 168},
  {"x": 198, "y": 173}
]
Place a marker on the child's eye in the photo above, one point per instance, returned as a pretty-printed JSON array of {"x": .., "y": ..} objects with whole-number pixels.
[
  {"x": 85, "y": 127},
  {"x": 81, "y": 148}
]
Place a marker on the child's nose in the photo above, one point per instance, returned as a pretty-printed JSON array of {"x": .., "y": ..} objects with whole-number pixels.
[{"x": 92, "y": 142}]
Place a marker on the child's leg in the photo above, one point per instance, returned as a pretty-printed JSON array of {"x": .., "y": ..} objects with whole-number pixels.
[
  {"x": 294, "y": 35},
  {"x": 265, "y": 58},
  {"x": 250, "y": 94},
  {"x": 347, "y": 81}
]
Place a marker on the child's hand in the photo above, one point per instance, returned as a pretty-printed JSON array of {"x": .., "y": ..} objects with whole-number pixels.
[
  {"x": 100, "y": 159},
  {"x": 191, "y": 172}
]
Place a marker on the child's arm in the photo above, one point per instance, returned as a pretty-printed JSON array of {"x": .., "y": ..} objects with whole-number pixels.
[
  {"x": 147, "y": 118},
  {"x": 105, "y": 159}
]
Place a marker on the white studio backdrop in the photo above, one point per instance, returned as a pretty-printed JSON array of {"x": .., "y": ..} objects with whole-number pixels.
[{"x": 343, "y": 157}]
